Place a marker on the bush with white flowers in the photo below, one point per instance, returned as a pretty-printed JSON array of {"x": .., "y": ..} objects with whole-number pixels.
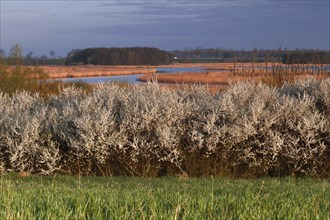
[{"x": 247, "y": 130}]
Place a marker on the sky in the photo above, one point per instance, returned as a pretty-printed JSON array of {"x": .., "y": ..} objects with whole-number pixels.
[{"x": 62, "y": 25}]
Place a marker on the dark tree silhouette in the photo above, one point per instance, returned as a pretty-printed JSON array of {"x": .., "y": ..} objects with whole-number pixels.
[
  {"x": 52, "y": 54},
  {"x": 119, "y": 56}
]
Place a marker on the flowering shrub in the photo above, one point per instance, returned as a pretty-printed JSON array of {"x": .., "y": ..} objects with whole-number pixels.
[
  {"x": 248, "y": 130},
  {"x": 26, "y": 143}
]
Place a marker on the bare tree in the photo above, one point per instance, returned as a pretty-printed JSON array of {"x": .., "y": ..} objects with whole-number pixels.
[
  {"x": 52, "y": 53},
  {"x": 2, "y": 53},
  {"x": 29, "y": 55},
  {"x": 16, "y": 54}
]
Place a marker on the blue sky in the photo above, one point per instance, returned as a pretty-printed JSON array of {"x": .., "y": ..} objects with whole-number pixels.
[{"x": 63, "y": 25}]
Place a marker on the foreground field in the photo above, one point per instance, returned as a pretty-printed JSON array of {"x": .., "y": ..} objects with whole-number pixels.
[{"x": 67, "y": 197}]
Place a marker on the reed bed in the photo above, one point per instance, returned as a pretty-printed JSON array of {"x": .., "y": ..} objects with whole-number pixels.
[
  {"x": 93, "y": 71},
  {"x": 278, "y": 74},
  {"x": 210, "y": 78},
  {"x": 275, "y": 74}
]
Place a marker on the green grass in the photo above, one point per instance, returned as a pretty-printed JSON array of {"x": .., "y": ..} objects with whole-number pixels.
[{"x": 66, "y": 197}]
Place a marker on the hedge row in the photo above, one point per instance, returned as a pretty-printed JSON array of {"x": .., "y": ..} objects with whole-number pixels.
[{"x": 248, "y": 130}]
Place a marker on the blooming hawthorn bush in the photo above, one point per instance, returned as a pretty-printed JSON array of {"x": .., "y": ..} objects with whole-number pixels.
[
  {"x": 249, "y": 129},
  {"x": 25, "y": 141}
]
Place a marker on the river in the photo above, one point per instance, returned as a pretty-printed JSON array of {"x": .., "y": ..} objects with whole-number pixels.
[{"x": 132, "y": 78}]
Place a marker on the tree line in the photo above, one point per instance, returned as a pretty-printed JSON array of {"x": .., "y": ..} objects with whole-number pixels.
[
  {"x": 155, "y": 56},
  {"x": 15, "y": 57},
  {"x": 119, "y": 56},
  {"x": 298, "y": 56},
  {"x": 307, "y": 56}
]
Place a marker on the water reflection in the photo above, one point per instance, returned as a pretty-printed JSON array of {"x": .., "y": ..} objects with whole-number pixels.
[
  {"x": 98, "y": 79},
  {"x": 179, "y": 70}
]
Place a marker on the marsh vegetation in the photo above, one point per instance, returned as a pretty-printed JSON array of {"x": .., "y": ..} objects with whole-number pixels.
[{"x": 223, "y": 74}]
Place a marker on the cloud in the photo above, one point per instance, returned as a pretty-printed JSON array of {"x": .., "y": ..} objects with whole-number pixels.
[
  {"x": 165, "y": 11},
  {"x": 166, "y": 23}
]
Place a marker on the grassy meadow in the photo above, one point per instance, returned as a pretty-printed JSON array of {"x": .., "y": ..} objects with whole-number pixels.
[{"x": 74, "y": 197}]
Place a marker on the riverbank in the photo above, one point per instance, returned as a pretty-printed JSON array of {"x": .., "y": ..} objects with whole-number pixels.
[{"x": 218, "y": 78}]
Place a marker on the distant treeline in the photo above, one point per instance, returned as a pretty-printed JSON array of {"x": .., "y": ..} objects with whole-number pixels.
[
  {"x": 119, "y": 56},
  {"x": 307, "y": 56},
  {"x": 15, "y": 57},
  {"x": 155, "y": 56},
  {"x": 301, "y": 56},
  {"x": 35, "y": 61}
]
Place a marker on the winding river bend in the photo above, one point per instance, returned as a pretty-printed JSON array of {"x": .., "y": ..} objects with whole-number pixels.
[{"x": 132, "y": 78}]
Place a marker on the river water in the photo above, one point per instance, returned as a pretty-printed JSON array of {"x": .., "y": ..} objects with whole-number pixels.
[{"x": 132, "y": 78}]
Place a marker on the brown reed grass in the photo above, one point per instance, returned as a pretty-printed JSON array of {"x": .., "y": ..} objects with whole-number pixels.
[
  {"x": 275, "y": 74},
  {"x": 92, "y": 71}
]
